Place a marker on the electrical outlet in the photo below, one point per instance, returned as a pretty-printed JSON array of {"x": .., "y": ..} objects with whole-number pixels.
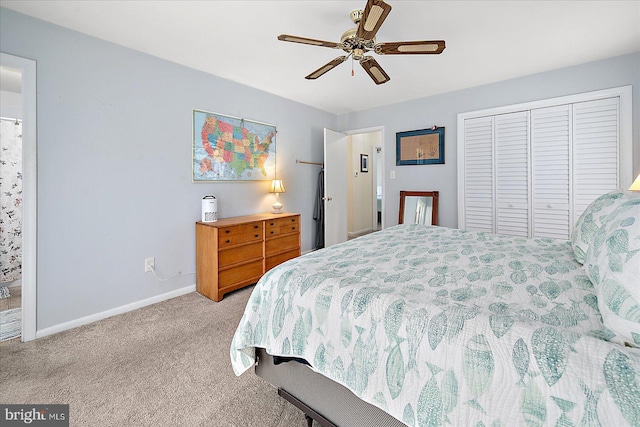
[{"x": 149, "y": 264}]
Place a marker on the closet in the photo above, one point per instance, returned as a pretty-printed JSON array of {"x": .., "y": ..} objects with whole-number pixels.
[{"x": 531, "y": 169}]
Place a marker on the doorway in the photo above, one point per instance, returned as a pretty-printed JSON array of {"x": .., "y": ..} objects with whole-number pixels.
[
  {"x": 364, "y": 197},
  {"x": 23, "y": 117},
  {"x": 10, "y": 204},
  {"x": 354, "y": 158}
]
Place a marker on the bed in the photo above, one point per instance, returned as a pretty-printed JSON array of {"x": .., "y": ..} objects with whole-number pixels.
[{"x": 430, "y": 326}]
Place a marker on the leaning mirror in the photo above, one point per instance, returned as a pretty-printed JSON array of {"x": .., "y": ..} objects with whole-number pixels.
[{"x": 418, "y": 207}]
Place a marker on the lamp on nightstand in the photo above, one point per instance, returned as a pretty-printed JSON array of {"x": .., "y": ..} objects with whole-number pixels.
[
  {"x": 636, "y": 184},
  {"x": 277, "y": 187}
]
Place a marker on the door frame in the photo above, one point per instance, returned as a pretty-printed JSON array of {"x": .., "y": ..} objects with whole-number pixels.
[{"x": 27, "y": 67}]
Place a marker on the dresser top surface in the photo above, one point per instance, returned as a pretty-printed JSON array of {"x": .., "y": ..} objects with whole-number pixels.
[{"x": 223, "y": 222}]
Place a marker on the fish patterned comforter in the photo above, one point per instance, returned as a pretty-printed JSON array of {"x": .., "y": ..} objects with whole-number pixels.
[{"x": 440, "y": 326}]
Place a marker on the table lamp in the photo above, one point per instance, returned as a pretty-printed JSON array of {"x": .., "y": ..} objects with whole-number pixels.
[{"x": 277, "y": 187}]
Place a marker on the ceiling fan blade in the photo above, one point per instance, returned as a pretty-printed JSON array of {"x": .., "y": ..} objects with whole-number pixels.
[
  {"x": 427, "y": 47},
  {"x": 327, "y": 67},
  {"x": 374, "y": 70},
  {"x": 304, "y": 40},
  {"x": 375, "y": 12}
]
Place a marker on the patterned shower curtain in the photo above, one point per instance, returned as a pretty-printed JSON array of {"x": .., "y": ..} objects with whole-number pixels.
[{"x": 10, "y": 200}]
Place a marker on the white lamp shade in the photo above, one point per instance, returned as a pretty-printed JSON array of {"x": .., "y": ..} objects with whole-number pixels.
[
  {"x": 636, "y": 184},
  {"x": 277, "y": 186}
]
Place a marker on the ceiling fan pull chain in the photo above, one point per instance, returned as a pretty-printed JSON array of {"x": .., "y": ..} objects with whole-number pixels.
[{"x": 352, "y": 72}]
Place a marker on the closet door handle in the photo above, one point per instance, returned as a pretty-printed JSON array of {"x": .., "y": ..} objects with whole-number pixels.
[{"x": 328, "y": 199}]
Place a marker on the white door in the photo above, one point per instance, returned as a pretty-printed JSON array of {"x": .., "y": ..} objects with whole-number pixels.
[
  {"x": 477, "y": 179},
  {"x": 335, "y": 187},
  {"x": 597, "y": 158},
  {"x": 511, "y": 157},
  {"x": 551, "y": 171}
]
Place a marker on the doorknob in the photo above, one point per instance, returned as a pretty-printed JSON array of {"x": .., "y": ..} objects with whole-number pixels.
[{"x": 328, "y": 199}]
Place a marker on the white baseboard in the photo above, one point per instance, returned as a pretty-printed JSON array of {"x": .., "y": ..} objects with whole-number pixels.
[
  {"x": 113, "y": 312},
  {"x": 353, "y": 234}
]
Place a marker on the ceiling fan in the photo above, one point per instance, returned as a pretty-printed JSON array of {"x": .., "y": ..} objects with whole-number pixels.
[{"x": 361, "y": 39}]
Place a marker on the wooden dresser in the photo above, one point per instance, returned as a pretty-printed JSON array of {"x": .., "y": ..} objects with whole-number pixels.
[{"x": 232, "y": 253}]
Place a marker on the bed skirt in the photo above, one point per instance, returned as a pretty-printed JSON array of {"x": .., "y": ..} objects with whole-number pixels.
[{"x": 328, "y": 398}]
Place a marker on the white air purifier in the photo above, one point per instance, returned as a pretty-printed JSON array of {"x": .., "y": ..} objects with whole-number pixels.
[{"x": 209, "y": 209}]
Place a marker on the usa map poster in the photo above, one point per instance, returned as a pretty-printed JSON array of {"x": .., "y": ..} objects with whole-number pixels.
[{"x": 232, "y": 149}]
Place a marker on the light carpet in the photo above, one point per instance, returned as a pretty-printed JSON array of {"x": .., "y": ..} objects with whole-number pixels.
[
  {"x": 161, "y": 365},
  {"x": 10, "y": 324}
]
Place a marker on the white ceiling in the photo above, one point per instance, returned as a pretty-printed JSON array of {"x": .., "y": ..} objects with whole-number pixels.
[{"x": 487, "y": 41}]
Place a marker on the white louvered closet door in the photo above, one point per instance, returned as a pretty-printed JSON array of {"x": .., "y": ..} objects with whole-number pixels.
[
  {"x": 532, "y": 169},
  {"x": 478, "y": 179},
  {"x": 551, "y": 171},
  {"x": 595, "y": 151},
  {"x": 512, "y": 173}
]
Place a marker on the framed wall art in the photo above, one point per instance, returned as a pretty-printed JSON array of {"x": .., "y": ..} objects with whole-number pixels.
[
  {"x": 229, "y": 148},
  {"x": 364, "y": 163},
  {"x": 420, "y": 147}
]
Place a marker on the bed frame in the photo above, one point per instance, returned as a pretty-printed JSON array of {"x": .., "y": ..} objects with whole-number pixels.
[{"x": 321, "y": 399}]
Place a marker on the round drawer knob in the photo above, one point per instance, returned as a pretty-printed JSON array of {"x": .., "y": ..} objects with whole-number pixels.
[{"x": 228, "y": 241}]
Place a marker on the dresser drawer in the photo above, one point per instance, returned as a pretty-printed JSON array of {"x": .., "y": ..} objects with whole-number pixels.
[
  {"x": 240, "y": 254},
  {"x": 233, "y": 275},
  {"x": 229, "y": 236},
  {"x": 281, "y": 244},
  {"x": 279, "y": 226},
  {"x": 272, "y": 261}
]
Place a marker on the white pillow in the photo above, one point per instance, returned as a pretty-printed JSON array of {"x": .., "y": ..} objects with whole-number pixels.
[
  {"x": 612, "y": 263},
  {"x": 590, "y": 222}
]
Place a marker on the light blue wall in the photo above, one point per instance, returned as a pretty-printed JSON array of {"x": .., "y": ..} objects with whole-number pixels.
[
  {"x": 114, "y": 166},
  {"x": 442, "y": 110},
  {"x": 114, "y": 158}
]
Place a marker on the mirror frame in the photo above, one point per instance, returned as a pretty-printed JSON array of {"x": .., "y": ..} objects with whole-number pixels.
[{"x": 434, "y": 208}]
